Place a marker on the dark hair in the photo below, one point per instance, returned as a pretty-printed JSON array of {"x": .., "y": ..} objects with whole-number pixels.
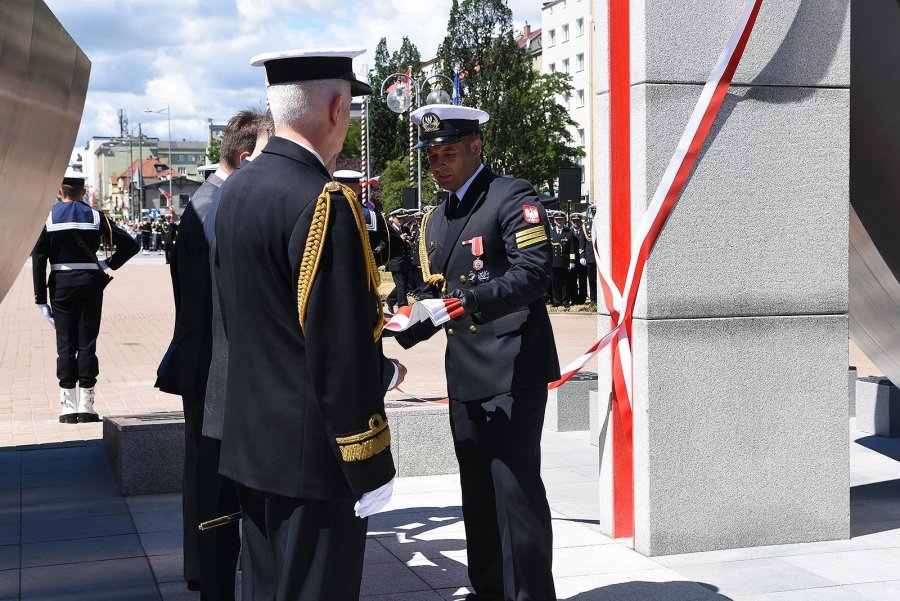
[
  {"x": 269, "y": 123},
  {"x": 240, "y": 135},
  {"x": 72, "y": 191}
]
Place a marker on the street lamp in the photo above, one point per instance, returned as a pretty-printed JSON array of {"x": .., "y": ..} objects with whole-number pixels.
[
  {"x": 169, "y": 118},
  {"x": 404, "y": 96}
]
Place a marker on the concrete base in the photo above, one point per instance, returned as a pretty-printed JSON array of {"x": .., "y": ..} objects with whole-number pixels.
[
  {"x": 740, "y": 430},
  {"x": 852, "y": 374},
  {"x": 568, "y": 407},
  {"x": 421, "y": 443},
  {"x": 146, "y": 452},
  {"x": 877, "y": 407}
]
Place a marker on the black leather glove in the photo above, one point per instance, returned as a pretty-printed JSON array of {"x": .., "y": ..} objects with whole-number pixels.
[{"x": 466, "y": 298}]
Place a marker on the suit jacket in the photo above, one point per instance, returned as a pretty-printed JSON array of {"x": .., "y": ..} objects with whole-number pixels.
[
  {"x": 214, "y": 401},
  {"x": 58, "y": 243},
  {"x": 563, "y": 247},
  {"x": 400, "y": 259},
  {"x": 185, "y": 365},
  {"x": 507, "y": 344},
  {"x": 304, "y": 406}
]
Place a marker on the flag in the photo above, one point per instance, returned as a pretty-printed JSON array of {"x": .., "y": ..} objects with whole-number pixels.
[
  {"x": 456, "y": 88},
  {"x": 137, "y": 176},
  {"x": 166, "y": 194}
]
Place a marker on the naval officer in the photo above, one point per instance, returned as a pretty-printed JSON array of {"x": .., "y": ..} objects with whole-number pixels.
[
  {"x": 488, "y": 246},
  {"x": 376, "y": 224},
  {"x": 69, "y": 243},
  {"x": 305, "y": 435}
]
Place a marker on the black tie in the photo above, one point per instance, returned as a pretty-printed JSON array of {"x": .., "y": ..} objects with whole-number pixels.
[{"x": 454, "y": 203}]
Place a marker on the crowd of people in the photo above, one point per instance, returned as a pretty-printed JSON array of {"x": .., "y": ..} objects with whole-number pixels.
[
  {"x": 153, "y": 235},
  {"x": 274, "y": 269}
]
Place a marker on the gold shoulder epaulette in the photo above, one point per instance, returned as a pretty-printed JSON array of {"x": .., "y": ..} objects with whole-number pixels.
[{"x": 315, "y": 244}]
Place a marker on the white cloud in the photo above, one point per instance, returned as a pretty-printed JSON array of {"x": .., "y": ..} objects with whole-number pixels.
[{"x": 193, "y": 55}]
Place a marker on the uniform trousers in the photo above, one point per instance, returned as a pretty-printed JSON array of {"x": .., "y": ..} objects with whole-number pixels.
[
  {"x": 578, "y": 284},
  {"x": 210, "y": 557},
  {"x": 591, "y": 271},
  {"x": 560, "y": 277},
  {"x": 300, "y": 549},
  {"x": 401, "y": 288},
  {"x": 509, "y": 537},
  {"x": 77, "y": 310}
]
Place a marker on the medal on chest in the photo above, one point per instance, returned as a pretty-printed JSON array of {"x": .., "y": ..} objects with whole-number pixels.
[{"x": 477, "y": 246}]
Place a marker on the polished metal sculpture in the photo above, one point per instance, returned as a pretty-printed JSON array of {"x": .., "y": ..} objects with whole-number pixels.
[
  {"x": 875, "y": 183},
  {"x": 43, "y": 82}
]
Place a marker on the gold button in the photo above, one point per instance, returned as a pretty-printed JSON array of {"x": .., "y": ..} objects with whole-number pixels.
[
  {"x": 472, "y": 328},
  {"x": 462, "y": 279},
  {"x": 449, "y": 331}
]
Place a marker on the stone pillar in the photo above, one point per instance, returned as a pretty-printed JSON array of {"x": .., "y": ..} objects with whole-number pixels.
[{"x": 740, "y": 329}]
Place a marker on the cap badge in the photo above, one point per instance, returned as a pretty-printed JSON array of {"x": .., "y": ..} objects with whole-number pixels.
[{"x": 431, "y": 122}]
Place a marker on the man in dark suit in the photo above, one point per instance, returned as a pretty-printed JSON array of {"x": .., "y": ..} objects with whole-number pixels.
[
  {"x": 578, "y": 275},
  {"x": 488, "y": 246},
  {"x": 400, "y": 262},
  {"x": 210, "y": 557},
  {"x": 306, "y": 440},
  {"x": 376, "y": 225},
  {"x": 586, "y": 259},
  {"x": 563, "y": 259}
]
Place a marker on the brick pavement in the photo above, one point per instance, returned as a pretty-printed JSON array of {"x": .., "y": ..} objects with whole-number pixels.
[{"x": 138, "y": 317}]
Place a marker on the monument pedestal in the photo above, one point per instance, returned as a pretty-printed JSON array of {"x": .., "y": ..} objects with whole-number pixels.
[{"x": 739, "y": 337}]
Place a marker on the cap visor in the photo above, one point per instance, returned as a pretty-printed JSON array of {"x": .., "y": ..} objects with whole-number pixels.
[
  {"x": 440, "y": 141},
  {"x": 360, "y": 88}
]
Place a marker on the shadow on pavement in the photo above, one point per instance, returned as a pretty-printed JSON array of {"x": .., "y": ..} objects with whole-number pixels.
[
  {"x": 653, "y": 591},
  {"x": 874, "y": 508},
  {"x": 889, "y": 447}
]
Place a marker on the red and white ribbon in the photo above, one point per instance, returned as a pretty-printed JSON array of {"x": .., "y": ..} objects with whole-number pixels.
[
  {"x": 438, "y": 310},
  {"x": 620, "y": 302}
]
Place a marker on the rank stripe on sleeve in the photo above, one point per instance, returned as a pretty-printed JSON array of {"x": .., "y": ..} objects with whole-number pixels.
[{"x": 528, "y": 233}]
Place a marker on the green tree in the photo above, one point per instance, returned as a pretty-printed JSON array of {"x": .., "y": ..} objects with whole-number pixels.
[
  {"x": 214, "y": 151},
  {"x": 528, "y": 133},
  {"x": 395, "y": 177},
  {"x": 389, "y": 131},
  {"x": 353, "y": 142}
]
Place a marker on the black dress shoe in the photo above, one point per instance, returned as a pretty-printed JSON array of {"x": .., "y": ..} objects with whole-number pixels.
[{"x": 193, "y": 585}]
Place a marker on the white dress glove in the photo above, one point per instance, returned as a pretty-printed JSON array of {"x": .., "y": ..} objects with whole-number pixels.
[
  {"x": 103, "y": 264},
  {"x": 374, "y": 501},
  {"x": 571, "y": 266},
  {"x": 48, "y": 314},
  {"x": 583, "y": 262}
]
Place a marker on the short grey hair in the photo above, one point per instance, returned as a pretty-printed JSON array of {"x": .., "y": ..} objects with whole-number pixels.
[{"x": 294, "y": 104}]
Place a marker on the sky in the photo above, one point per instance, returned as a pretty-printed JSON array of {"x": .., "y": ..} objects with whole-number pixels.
[{"x": 194, "y": 55}]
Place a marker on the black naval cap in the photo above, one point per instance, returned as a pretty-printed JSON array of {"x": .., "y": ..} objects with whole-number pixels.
[
  {"x": 74, "y": 178},
  {"x": 444, "y": 124},
  {"x": 290, "y": 66}
]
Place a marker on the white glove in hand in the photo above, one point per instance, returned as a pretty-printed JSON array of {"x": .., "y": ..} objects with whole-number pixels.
[
  {"x": 103, "y": 264},
  {"x": 583, "y": 262},
  {"x": 571, "y": 266},
  {"x": 48, "y": 314},
  {"x": 374, "y": 501}
]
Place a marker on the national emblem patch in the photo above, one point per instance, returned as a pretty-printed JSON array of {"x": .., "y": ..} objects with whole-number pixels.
[{"x": 531, "y": 214}]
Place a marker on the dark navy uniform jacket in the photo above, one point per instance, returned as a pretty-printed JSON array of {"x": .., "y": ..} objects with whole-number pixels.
[
  {"x": 304, "y": 406},
  {"x": 564, "y": 249},
  {"x": 508, "y": 343},
  {"x": 57, "y": 244}
]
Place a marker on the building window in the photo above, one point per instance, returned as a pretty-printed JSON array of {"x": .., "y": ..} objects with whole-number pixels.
[
  {"x": 580, "y": 95},
  {"x": 579, "y": 62},
  {"x": 552, "y": 67},
  {"x": 581, "y": 137},
  {"x": 565, "y": 65},
  {"x": 182, "y": 170},
  {"x": 183, "y": 200},
  {"x": 552, "y": 38},
  {"x": 568, "y": 101},
  {"x": 579, "y": 27},
  {"x": 582, "y": 173},
  {"x": 162, "y": 202},
  {"x": 565, "y": 33}
]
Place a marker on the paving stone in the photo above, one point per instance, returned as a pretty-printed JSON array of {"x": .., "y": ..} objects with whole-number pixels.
[
  {"x": 67, "y": 529},
  {"x": 162, "y": 543},
  {"x": 754, "y": 576},
  {"x": 388, "y": 578},
  {"x": 9, "y": 584},
  {"x": 840, "y": 593},
  {"x": 119, "y": 579},
  {"x": 851, "y": 567},
  {"x": 43, "y": 511},
  {"x": 81, "y": 550}
]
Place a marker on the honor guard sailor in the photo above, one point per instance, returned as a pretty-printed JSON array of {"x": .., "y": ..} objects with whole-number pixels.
[
  {"x": 69, "y": 243},
  {"x": 488, "y": 245},
  {"x": 305, "y": 435},
  {"x": 376, "y": 224}
]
